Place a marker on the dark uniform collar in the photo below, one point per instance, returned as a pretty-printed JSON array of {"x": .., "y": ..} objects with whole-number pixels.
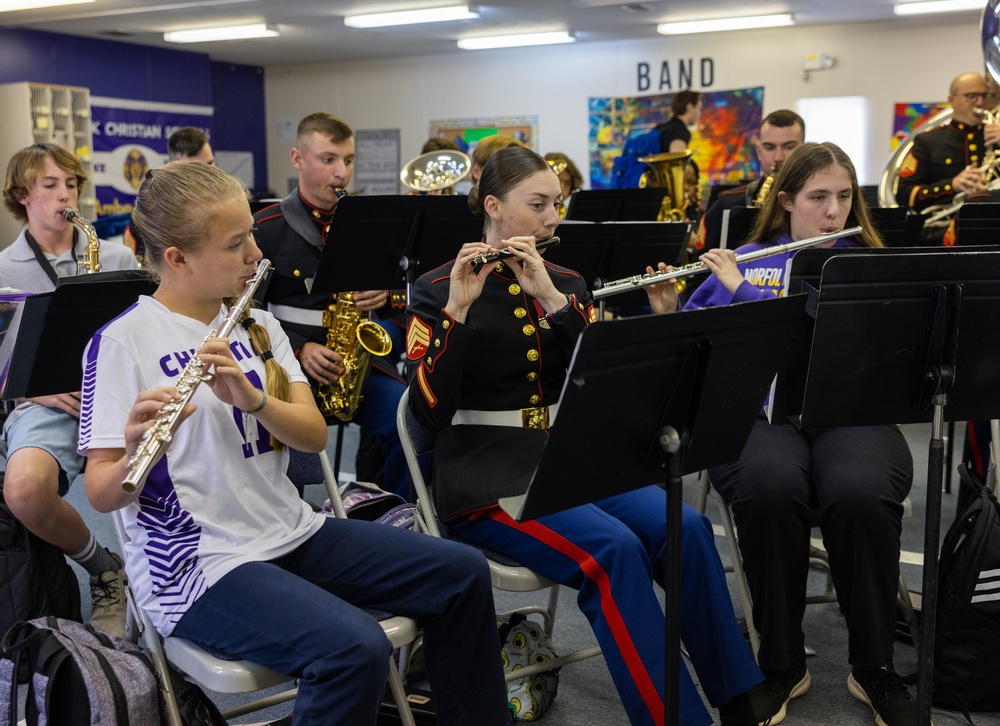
[{"x": 320, "y": 217}]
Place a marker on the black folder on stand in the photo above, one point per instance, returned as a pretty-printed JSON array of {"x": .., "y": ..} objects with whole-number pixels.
[{"x": 56, "y": 326}]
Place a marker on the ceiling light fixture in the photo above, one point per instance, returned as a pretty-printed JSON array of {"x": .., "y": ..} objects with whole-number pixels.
[
  {"x": 937, "y": 6},
  {"x": 723, "y": 24},
  {"x": 7, "y": 6},
  {"x": 411, "y": 17},
  {"x": 515, "y": 41},
  {"x": 230, "y": 32}
]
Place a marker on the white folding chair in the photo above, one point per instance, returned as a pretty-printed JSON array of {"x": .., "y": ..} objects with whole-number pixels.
[
  {"x": 242, "y": 676},
  {"x": 506, "y": 574}
]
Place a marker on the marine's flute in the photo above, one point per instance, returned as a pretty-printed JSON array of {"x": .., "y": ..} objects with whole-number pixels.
[
  {"x": 638, "y": 281},
  {"x": 481, "y": 260},
  {"x": 156, "y": 438}
]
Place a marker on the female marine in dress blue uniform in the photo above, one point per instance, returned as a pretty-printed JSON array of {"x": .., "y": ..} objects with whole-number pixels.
[{"x": 488, "y": 352}]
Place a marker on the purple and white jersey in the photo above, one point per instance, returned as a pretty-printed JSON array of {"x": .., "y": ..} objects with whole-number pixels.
[{"x": 219, "y": 497}]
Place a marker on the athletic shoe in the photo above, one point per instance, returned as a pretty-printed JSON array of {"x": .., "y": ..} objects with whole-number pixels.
[
  {"x": 107, "y": 593},
  {"x": 887, "y": 695},
  {"x": 770, "y": 698}
]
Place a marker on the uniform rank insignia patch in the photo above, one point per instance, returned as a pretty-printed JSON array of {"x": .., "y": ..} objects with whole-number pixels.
[
  {"x": 418, "y": 337},
  {"x": 909, "y": 167}
]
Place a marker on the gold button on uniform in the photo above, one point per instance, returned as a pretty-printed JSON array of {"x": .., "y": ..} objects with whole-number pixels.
[
  {"x": 532, "y": 355},
  {"x": 520, "y": 312},
  {"x": 528, "y": 329},
  {"x": 534, "y": 400},
  {"x": 437, "y": 342},
  {"x": 429, "y": 360},
  {"x": 297, "y": 273},
  {"x": 315, "y": 214},
  {"x": 514, "y": 289},
  {"x": 445, "y": 324},
  {"x": 532, "y": 376},
  {"x": 948, "y": 160}
]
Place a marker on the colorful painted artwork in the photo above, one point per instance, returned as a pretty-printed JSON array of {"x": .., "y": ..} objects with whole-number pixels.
[
  {"x": 910, "y": 115},
  {"x": 723, "y": 141}
]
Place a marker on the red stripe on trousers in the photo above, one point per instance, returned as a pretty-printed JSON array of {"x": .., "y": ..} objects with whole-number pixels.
[{"x": 589, "y": 566}]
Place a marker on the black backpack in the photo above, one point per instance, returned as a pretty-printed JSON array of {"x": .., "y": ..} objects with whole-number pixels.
[
  {"x": 967, "y": 633},
  {"x": 35, "y": 578}
]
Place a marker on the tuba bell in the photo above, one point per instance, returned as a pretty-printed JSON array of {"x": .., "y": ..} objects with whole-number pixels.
[
  {"x": 667, "y": 171},
  {"x": 436, "y": 172}
]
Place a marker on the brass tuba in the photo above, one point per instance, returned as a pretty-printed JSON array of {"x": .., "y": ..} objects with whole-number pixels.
[
  {"x": 352, "y": 334},
  {"x": 436, "y": 172},
  {"x": 667, "y": 171},
  {"x": 91, "y": 260}
]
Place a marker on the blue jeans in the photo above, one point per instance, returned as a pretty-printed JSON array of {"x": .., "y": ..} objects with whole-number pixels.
[{"x": 300, "y": 615}]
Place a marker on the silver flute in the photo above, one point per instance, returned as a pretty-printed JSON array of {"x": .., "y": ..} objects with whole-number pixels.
[
  {"x": 638, "y": 281},
  {"x": 154, "y": 442}
]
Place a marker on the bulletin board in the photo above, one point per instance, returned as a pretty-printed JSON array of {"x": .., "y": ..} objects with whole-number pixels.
[
  {"x": 466, "y": 132},
  {"x": 376, "y": 162}
]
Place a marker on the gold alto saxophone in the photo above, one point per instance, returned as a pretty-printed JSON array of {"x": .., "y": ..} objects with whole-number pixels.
[
  {"x": 765, "y": 189},
  {"x": 352, "y": 334},
  {"x": 154, "y": 442},
  {"x": 91, "y": 259}
]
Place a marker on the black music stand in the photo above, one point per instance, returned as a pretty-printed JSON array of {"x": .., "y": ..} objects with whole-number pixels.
[
  {"x": 56, "y": 326},
  {"x": 898, "y": 226},
  {"x": 612, "y": 250},
  {"x": 736, "y": 225},
  {"x": 616, "y": 205},
  {"x": 376, "y": 241},
  {"x": 676, "y": 394},
  {"x": 887, "y": 349},
  {"x": 978, "y": 224}
]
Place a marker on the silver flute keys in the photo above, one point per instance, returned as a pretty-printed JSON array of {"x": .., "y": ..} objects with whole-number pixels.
[
  {"x": 638, "y": 281},
  {"x": 154, "y": 442}
]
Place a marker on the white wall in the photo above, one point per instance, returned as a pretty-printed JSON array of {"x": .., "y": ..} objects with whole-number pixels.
[{"x": 889, "y": 62}]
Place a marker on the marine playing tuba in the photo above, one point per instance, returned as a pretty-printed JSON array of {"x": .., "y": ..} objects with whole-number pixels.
[
  {"x": 667, "y": 171},
  {"x": 352, "y": 334},
  {"x": 888, "y": 183}
]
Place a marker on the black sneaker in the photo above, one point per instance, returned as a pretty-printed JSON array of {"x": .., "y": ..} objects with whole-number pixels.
[
  {"x": 770, "y": 698},
  {"x": 887, "y": 695}
]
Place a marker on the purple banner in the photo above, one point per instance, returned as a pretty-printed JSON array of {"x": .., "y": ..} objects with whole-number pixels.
[{"x": 129, "y": 139}]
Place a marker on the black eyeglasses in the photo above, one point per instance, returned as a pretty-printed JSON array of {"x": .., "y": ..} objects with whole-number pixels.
[{"x": 973, "y": 97}]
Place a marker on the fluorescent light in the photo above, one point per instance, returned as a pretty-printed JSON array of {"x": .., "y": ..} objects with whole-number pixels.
[
  {"x": 230, "y": 32},
  {"x": 410, "y": 17},
  {"x": 937, "y": 6},
  {"x": 7, "y": 6},
  {"x": 512, "y": 41},
  {"x": 713, "y": 26}
]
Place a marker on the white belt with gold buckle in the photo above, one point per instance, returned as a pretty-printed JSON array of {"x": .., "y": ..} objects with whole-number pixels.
[{"x": 539, "y": 417}]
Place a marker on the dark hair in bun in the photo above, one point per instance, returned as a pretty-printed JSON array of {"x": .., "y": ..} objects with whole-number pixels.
[{"x": 505, "y": 170}]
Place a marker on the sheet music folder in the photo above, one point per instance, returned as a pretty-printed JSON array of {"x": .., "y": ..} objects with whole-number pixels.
[
  {"x": 374, "y": 242},
  {"x": 56, "y": 327},
  {"x": 621, "y": 390}
]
